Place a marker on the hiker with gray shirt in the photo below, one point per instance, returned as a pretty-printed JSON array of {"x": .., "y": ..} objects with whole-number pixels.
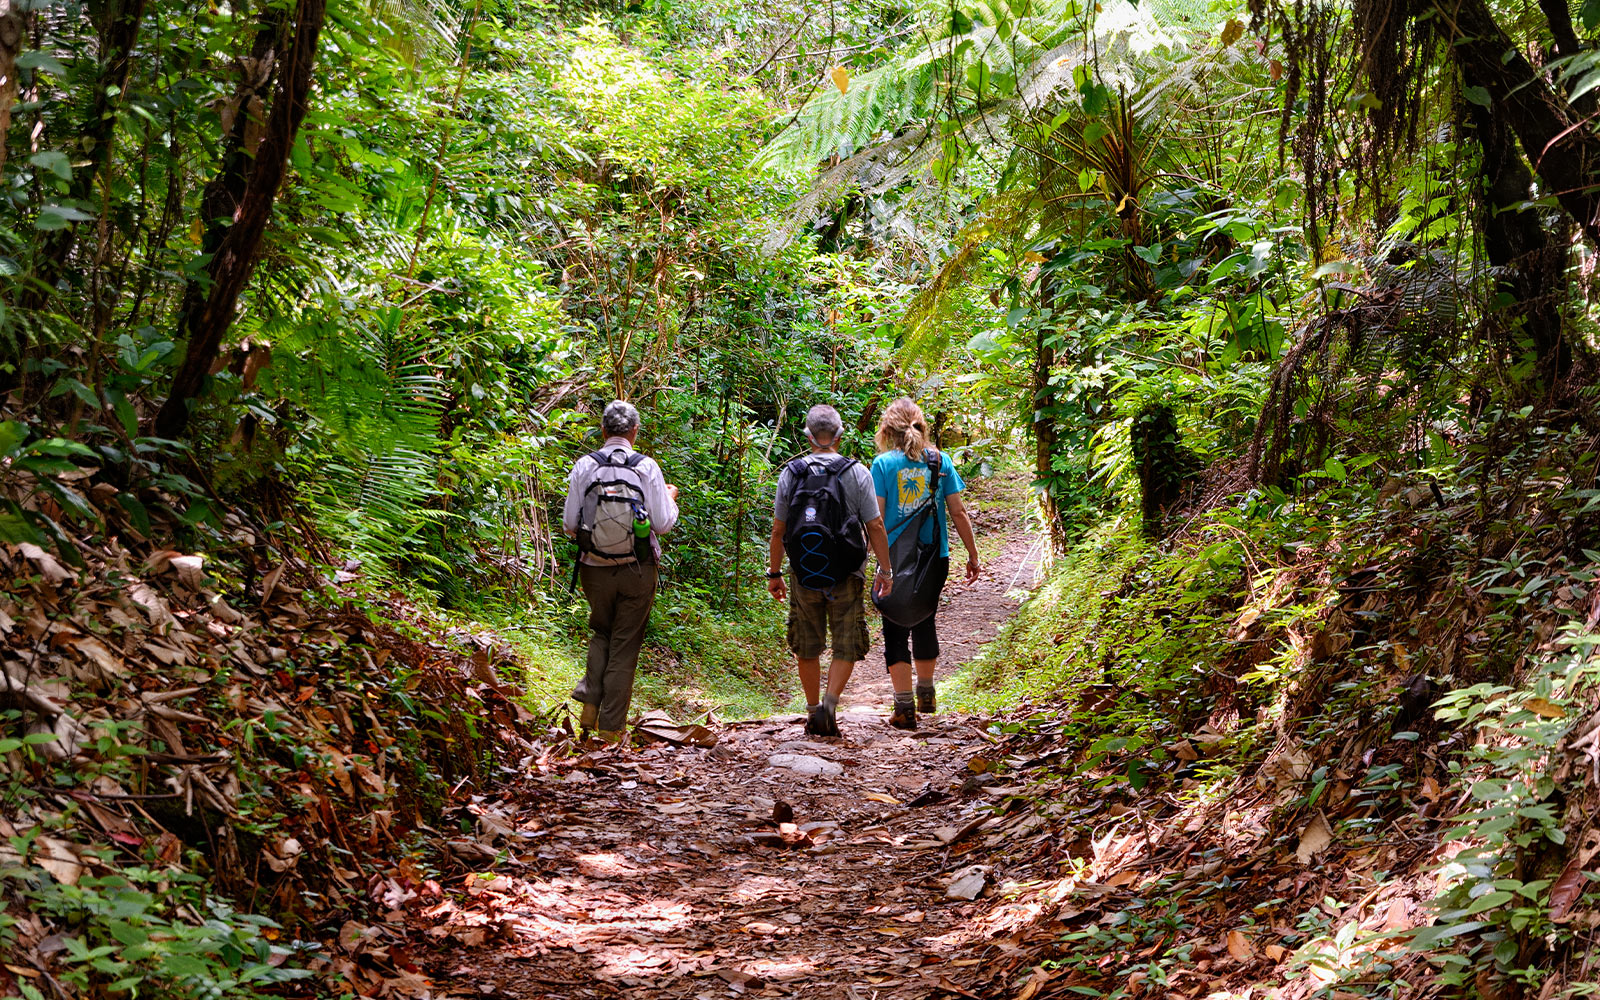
[
  {"x": 618, "y": 503},
  {"x": 825, "y": 504}
]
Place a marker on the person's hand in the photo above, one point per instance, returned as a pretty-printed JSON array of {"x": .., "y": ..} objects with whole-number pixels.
[
  {"x": 776, "y": 588},
  {"x": 883, "y": 583},
  {"x": 672, "y": 491},
  {"x": 973, "y": 569}
]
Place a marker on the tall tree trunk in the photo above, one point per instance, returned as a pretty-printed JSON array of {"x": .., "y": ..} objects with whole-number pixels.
[
  {"x": 1564, "y": 151},
  {"x": 1559, "y": 16},
  {"x": 119, "y": 33},
  {"x": 209, "y": 304},
  {"x": 11, "y": 38},
  {"x": 1044, "y": 424},
  {"x": 1531, "y": 261}
]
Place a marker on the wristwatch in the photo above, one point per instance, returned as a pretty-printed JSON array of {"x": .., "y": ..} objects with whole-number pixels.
[{"x": 774, "y": 574}]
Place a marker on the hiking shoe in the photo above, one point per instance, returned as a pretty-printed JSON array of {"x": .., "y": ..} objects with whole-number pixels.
[
  {"x": 833, "y": 721},
  {"x": 925, "y": 700},
  {"x": 903, "y": 717},
  {"x": 817, "y": 722},
  {"x": 589, "y": 718}
]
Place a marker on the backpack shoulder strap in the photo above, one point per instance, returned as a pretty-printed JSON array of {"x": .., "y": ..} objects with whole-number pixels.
[
  {"x": 935, "y": 469},
  {"x": 601, "y": 458}
]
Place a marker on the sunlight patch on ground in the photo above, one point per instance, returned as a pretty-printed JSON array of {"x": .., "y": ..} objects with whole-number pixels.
[
  {"x": 636, "y": 960},
  {"x": 604, "y": 865},
  {"x": 795, "y": 968},
  {"x": 761, "y": 887}
]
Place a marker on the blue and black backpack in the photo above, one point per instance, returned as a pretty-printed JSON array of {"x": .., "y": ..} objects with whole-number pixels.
[{"x": 822, "y": 536}]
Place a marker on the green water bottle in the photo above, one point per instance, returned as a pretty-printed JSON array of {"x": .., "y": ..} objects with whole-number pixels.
[{"x": 641, "y": 536}]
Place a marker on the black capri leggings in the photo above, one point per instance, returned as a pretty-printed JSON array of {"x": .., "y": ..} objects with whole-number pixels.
[{"x": 900, "y": 644}]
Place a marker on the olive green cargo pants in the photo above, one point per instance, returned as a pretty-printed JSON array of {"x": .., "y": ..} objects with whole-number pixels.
[{"x": 619, "y": 598}]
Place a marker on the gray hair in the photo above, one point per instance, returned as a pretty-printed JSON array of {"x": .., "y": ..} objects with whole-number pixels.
[
  {"x": 821, "y": 420},
  {"x": 619, "y": 418}
]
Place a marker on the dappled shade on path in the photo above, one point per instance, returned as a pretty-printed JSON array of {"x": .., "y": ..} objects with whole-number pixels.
[{"x": 679, "y": 872}]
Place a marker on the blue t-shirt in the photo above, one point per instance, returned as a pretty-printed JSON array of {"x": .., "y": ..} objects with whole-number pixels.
[{"x": 903, "y": 484}]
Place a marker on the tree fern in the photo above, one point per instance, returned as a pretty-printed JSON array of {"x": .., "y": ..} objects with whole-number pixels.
[
  {"x": 375, "y": 404},
  {"x": 928, "y": 320},
  {"x": 1024, "y": 50}
]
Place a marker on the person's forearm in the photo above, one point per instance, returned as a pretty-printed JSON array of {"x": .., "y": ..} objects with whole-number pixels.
[
  {"x": 775, "y": 552},
  {"x": 879, "y": 539},
  {"x": 964, "y": 529}
]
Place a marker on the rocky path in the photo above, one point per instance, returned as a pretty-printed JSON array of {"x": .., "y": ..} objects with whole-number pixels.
[
  {"x": 749, "y": 859},
  {"x": 769, "y": 864}
]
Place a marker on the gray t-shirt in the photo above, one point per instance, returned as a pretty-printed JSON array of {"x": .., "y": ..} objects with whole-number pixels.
[{"x": 860, "y": 497}]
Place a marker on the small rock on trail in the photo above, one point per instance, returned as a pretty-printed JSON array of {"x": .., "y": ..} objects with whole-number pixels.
[{"x": 804, "y": 763}]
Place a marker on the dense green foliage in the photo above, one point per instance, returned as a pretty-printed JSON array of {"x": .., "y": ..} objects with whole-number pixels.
[{"x": 1307, "y": 286}]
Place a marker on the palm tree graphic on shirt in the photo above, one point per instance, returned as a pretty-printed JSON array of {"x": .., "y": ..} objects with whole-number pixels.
[{"x": 911, "y": 486}]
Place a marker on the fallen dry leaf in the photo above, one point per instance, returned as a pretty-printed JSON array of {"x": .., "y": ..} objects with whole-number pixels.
[
  {"x": 1036, "y": 982},
  {"x": 1544, "y": 708},
  {"x": 1314, "y": 839},
  {"x": 1399, "y": 916},
  {"x": 1566, "y": 890},
  {"x": 53, "y": 572},
  {"x": 57, "y": 857},
  {"x": 1239, "y": 946}
]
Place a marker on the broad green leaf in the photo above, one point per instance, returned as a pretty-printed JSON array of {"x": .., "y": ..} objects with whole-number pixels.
[
  {"x": 54, "y": 161},
  {"x": 39, "y": 59},
  {"x": 12, "y": 434},
  {"x": 1489, "y": 901},
  {"x": 53, "y": 217}
]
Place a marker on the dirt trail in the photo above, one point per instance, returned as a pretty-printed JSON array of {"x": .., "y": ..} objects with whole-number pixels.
[
  {"x": 969, "y": 617},
  {"x": 771, "y": 864}
]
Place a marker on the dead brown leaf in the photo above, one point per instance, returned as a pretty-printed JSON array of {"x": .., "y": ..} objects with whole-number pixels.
[
  {"x": 1314, "y": 839},
  {"x": 1566, "y": 890},
  {"x": 1239, "y": 946}
]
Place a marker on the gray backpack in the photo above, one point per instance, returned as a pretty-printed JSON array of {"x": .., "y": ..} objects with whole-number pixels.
[{"x": 611, "y": 505}]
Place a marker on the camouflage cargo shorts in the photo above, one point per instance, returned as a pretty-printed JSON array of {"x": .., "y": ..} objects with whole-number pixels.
[{"x": 812, "y": 614}]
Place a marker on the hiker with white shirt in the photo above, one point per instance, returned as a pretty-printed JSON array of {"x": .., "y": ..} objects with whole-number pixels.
[{"x": 618, "y": 504}]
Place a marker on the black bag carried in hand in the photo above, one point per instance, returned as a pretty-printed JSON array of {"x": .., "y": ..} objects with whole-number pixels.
[
  {"x": 919, "y": 570},
  {"x": 820, "y": 533}
]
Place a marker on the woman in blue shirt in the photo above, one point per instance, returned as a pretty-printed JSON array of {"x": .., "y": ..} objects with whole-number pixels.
[{"x": 900, "y": 477}]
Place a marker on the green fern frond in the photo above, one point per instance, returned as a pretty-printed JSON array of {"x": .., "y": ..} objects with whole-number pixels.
[{"x": 928, "y": 326}]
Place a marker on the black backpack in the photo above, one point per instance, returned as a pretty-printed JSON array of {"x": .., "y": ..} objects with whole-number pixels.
[
  {"x": 918, "y": 569},
  {"x": 822, "y": 536},
  {"x": 610, "y": 505}
]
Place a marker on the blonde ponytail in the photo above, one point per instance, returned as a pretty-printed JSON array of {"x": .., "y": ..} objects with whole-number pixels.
[{"x": 903, "y": 428}]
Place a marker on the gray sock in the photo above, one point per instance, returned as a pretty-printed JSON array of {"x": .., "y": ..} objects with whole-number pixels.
[
  {"x": 925, "y": 687},
  {"x": 830, "y": 701},
  {"x": 812, "y": 706},
  {"x": 902, "y": 699}
]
